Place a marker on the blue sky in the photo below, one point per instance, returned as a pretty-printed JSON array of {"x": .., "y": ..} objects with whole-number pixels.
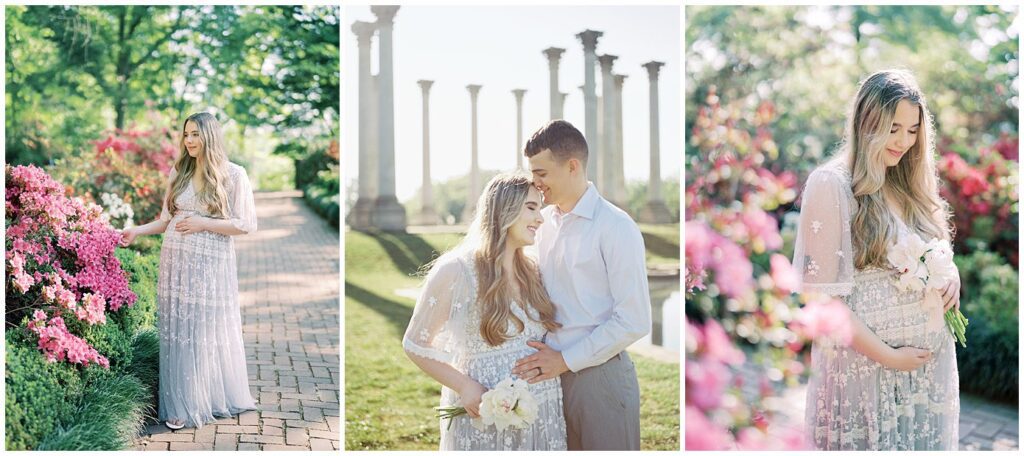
[{"x": 501, "y": 48}]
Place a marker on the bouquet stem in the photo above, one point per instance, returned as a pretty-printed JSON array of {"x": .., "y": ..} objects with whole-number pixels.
[
  {"x": 449, "y": 413},
  {"x": 957, "y": 324}
]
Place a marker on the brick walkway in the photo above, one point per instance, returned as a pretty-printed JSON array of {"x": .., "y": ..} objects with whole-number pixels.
[
  {"x": 289, "y": 291},
  {"x": 984, "y": 425}
]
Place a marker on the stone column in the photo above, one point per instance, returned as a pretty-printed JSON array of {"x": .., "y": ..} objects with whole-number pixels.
[
  {"x": 655, "y": 211},
  {"x": 589, "y": 40},
  {"x": 390, "y": 215},
  {"x": 473, "y": 191},
  {"x": 361, "y": 217},
  {"x": 428, "y": 216},
  {"x": 554, "y": 54},
  {"x": 618, "y": 162},
  {"x": 561, "y": 103},
  {"x": 519, "y": 126},
  {"x": 608, "y": 136}
]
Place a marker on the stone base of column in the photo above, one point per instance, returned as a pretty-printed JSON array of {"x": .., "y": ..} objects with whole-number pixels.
[
  {"x": 389, "y": 215},
  {"x": 427, "y": 217},
  {"x": 655, "y": 212},
  {"x": 361, "y": 217},
  {"x": 619, "y": 204}
]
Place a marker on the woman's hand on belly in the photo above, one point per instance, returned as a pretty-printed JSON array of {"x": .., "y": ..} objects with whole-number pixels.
[
  {"x": 907, "y": 358},
  {"x": 191, "y": 225}
]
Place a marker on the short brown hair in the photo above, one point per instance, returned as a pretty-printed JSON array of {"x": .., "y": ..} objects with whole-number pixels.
[{"x": 563, "y": 139}]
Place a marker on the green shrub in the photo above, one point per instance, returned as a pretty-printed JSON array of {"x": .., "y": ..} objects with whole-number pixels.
[
  {"x": 109, "y": 415},
  {"x": 145, "y": 364},
  {"x": 39, "y": 394},
  {"x": 988, "y": 365},
  {"x": 323, "y": 195}
]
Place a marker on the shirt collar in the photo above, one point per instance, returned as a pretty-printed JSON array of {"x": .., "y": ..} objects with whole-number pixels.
[{"x": 587, "y": 204}]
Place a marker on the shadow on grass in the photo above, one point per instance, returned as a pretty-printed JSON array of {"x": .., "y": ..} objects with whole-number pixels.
[
  {"x": 396, "y": 313},
  {"x": 661, "y": 246},
  {"x": 408, "y": 252}
]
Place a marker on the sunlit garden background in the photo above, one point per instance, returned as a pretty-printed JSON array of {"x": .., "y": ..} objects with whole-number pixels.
[
  {"x": 94, "y": 105},
  {"x": 767, "y": 89}
]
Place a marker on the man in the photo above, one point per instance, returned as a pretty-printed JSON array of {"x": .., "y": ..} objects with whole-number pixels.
[{"x": 591, "y": 257}]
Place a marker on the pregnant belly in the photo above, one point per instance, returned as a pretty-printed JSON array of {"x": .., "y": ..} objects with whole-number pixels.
[{"x": 899, "y": 318}]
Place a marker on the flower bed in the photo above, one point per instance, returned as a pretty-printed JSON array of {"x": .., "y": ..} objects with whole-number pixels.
[{"x": 80, "y": 353}]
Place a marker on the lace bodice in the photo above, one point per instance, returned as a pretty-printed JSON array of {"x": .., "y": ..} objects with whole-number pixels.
[{"x": 241, "y": 204}]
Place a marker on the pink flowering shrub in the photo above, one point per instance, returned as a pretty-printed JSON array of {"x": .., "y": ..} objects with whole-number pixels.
[
  {"x": 742, "y": 316},
  {"x": 61, "y": 267},
  {"x": 983, "y": 195},
  {"x": 131, "y": 166}
]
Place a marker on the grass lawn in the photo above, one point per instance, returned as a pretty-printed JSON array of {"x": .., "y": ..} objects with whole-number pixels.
[{"x": 388, "y": 401}]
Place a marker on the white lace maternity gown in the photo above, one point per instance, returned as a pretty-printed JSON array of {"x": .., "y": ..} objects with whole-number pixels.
[
  {"x": 445, "y": 327},
  {"x": 854, "y": 403},
  {"x": 202, "y": 360}
]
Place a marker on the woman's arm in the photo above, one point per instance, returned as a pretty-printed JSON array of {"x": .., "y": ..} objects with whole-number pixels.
[
  {"x": 470, "y": 390},
  {"x": 196, "y": 224},
  {"x": 867, "y": 343}
]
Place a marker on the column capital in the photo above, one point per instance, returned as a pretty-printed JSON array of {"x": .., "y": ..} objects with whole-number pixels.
[
  {"x": 364, "y": 31},
  {"x": 619, "y": 79},
  {"x": 652, "y": 69},
  {"x": 474, "y": 89},
  {"x": 554, "y": 54},
  {"x": 425, "y": 85},
  {"x": 385, "y": 13},
  {"x": 606, "y": 61},
  {"x": 519, "y": 93},
  {"x": 589, "y": 39}
]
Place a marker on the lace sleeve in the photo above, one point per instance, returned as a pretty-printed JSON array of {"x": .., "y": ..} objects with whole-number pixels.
[
  {"x": 823, "y": 255},
  {"x": 431, "y": 331},
  {"x": 241, "y": 202}
]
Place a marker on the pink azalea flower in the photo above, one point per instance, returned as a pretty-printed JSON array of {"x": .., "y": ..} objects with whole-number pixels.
[
  {"x": 783, "y": 274},
  {"x": 702, "y": 434},
  {"x": 825, "y": 318}
]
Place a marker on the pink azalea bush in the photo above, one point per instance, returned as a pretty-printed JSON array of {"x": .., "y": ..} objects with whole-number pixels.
[
  {"x": 61, "y": 264},
  {"x": 128, "y": 166},
  {"x": 983, "y": 193},
  {"x": 742, "y": 313}
]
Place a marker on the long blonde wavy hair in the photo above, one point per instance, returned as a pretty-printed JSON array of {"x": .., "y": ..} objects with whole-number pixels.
[
  {"x": 913, "y": 182},
  {"x": 497, "y": 210},
  {"x": 210, "y": 164}
]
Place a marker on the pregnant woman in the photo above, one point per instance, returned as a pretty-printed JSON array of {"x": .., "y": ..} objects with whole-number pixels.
[
  {"x": 896, "y": 386},
  {"x": 202, "y": 360}
]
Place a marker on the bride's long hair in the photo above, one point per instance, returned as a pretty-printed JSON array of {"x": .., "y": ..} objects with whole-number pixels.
[
  {"x": 498, "y": 208},
  {"x": 913, "y": 182},
  {"x": 210, "y": 164}
]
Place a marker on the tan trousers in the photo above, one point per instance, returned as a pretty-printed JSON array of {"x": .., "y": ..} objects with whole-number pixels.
[{"x": 602, "y": 406}]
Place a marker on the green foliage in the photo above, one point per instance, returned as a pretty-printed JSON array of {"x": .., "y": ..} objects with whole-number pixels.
[
  {"x": 74, "y": 72},
  {"x": 108, "y": 416},
  {"x": 324, "y": 196},
  {"x": 56, "y": 406},
  {"x": 988, "y": 365},
  {"x": 38, "y": 392}
]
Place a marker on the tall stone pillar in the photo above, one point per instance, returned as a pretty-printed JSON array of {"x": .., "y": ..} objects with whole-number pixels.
[
  {"x": 554, "y": 54},
  {"x": 561, "y": 103},
  {"x": 473, "y": 192},
  {"x": 428, "y": 216},
  {"x": 618, "y": 162},
  {"x": 390, "y": 215},
  {"x": 361, "y": 216},
  {"x": 655, "y": 211},
  {"x": 589, "y": 40},
  {"x": 519, "y": 126},
  {"x": 608, "y": 136}
]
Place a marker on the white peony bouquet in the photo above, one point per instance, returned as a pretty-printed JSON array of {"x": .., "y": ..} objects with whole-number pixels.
[
  {"x": 926, "y": 266},
  {"x": 509, "y": 404}
]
